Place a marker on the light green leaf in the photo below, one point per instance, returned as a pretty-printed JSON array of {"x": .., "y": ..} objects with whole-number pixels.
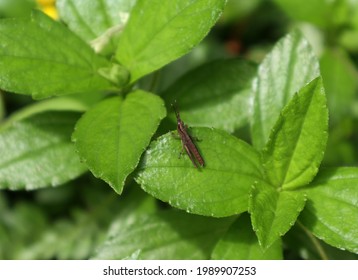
[
  {"x": 76, "y": 103},
  {"x": 289, "y": 66},
  {"x": 159, "y": 32},
  {"x": 219, "y": 189},
  {"x": 31, "y": 63},
  {"x": 215, "y": 94},
  {"x": 340, "y": 81},
  {"x": 298, "y": 140},
  {"x": 273, "y": 212},
  {"x": 37, "y": 152},
  {"x": 331, "y": 212},
  {"x": 111, "y": 137},
  {"x": 165, "y": 235},
  {"x": 240, "y": 243},
  {"x": 98, "y": 21}
]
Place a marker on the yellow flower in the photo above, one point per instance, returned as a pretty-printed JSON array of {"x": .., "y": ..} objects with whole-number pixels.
[
  {"x": 48, "y": 7},
  {"x": 46, "y": 2}
]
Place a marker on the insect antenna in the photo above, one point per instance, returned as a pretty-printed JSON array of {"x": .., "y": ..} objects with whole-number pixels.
[{"x": 175, "y": 108}]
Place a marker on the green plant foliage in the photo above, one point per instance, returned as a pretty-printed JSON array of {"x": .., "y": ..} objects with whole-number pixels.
[
  {"x": 172, "y": 28},
  {"x": 332, "y": 203},
  {"x": 166, "y": 234},
  {"x": 31, "y": 231},
  {"x": 215, "y": 94},
  {"x": 273, "y": 185},
  {"x": 296, "y": 145},
  {"x": 37, "y": 152},
  {"x": 240, "y": 243},
  {"x": 16, "y": 8},
  {"x": 20, "y": 225},
  {"x": 61, "y": 69},
  {"x": 111, "y": 137},
  {"x": 2, "y": 107},
  {"x": 304, "y": 245},
  {"x": 340, "y": 82},
  {"x": 219, "y": 189},
  {"x": 99, "y": 21},
  {"x": 318, "y": 12},
  {"x": 76, "y": 103},
  {"x": 273, "y": 212},
  {"x": 287, "y": 68}
]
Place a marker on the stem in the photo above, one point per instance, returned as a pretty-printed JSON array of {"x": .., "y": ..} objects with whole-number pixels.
[{"x": 315, "y": 242}]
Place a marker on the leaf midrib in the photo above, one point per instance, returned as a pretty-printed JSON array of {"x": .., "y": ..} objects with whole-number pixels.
[{"x": 283, "y": 182}]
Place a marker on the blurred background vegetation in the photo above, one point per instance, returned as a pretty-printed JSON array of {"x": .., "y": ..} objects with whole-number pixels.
[{"x": 70, "y": 221}]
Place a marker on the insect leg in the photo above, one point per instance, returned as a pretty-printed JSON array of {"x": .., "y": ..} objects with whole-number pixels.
[
  {"x": 175, "y": 135},
  {"x": 190, "y": 156}
]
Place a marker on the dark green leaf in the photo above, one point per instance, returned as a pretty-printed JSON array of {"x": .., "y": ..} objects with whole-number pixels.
[
  {"x": 2, "y": 107},
  {"x": 298, "y": 140},
  {"x": 236, "y": 11},
  {"x": 240, "y": 243},
  {"x": 164, "y": 235},
  {"x": 273, "y": 212},
  {"x": 220, "y": 188},
  {"x": 161, "y": 31},
  {"x": 98, "y": 21},
  {"x": 215, "y": 94},
  {"x": 76, "y": 216},
  {"x": 317, "y": 12},
  {"x": 332, "y": 207},
  {"x": 21, "y": 223},
  {"x": 39, "y": 56},
  {"x": 111, "y": 137},
  {"x": 16, "y": 8},
  {"x": 302, "y": 244},
  {"x": 37, "y": 152},
  {"x": 289, "y": 66}
]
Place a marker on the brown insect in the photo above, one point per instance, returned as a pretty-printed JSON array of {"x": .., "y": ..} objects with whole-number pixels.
[{"x": 187, "y": 142}]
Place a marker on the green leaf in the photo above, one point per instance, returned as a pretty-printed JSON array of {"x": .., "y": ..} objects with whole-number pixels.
[
  {"x": 331, "y": 212},
  {"x": 340, "y": 81},
  {"x": 21, "y": 223},
  {"x": 37, "y": 152},
  {"x": 215, "y": 94},
  {"x": 165, "y": 235},
  {"x": 76, "y": 103},
  {"x": 289, "y": 66},
  {"x": 171, "y": 29},
  {"x": 99, "y": 21},
  {"x": 39, "y": 56},
  {"x": 219, "y": 189},
  {"x": 65, "y": 239},
  {"x": 298, "y": 140},
  {"x": 2, "y": 107},
  {"x": 16, "y": 8},
  {"x": 77, "y": 217},
  {"x": 317, "y": 12},
  {"x": 236, "y": 11},
  {"x": 273, "y": 212},
  {"x": 111, "y": 137},
  {"x": 304, "y": 245},
  {"x": 240, "y": 243}
]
